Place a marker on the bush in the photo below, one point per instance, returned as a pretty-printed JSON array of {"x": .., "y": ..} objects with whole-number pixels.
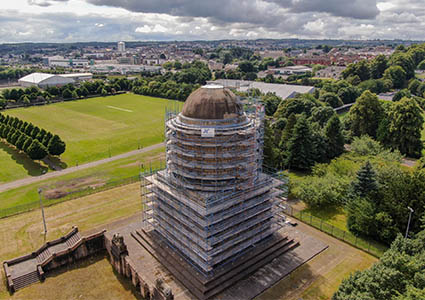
[{"x": 323, "y": 191}]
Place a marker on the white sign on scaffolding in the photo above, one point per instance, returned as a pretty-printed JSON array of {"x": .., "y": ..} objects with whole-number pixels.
[{"x": 207, "y": 132}]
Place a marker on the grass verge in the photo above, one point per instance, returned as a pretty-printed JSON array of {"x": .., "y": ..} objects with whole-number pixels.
[{"x": 80, "y": 183}]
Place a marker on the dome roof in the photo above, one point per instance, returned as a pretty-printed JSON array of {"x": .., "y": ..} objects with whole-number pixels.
[{"x": 212, "y": 102}]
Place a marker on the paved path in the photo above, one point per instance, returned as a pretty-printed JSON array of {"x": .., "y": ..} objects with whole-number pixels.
[{"x": 30, "y": 180}]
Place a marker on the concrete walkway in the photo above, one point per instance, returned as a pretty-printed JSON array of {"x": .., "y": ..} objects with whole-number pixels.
[{"x": 30, "y": 180}]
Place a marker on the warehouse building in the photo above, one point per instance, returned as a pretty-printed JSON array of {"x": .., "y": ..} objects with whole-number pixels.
[{"x": 44, "y": 80}]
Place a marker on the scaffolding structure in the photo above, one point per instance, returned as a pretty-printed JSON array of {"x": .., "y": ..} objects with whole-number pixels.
[{"x": 212, "y": 203}]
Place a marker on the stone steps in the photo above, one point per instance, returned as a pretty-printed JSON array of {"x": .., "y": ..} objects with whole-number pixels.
[
  {"x": 73, "y": 240},
  {"x": 203, "y": 286},
  {"x": 43, "y": 256},
  {"x": 25, "y": 280}
]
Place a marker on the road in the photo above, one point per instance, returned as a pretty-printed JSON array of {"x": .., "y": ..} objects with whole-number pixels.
[{"x": 30, "y": 180}]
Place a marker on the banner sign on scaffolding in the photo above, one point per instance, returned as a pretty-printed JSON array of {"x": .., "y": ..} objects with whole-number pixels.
[{"x": 207, "y": 132}]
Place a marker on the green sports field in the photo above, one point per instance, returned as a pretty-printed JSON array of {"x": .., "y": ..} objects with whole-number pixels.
[{"x": 92, "y": 129}]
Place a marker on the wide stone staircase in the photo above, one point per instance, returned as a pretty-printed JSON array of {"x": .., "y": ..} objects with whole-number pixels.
[{"x": 25, "y": 280}]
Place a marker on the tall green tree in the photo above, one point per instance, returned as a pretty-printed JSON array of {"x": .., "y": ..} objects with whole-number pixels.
[
  {"x": 378, "y": 66},
  {"x": 365, "y": 115},
  {"x": 36, "y": 150},
  {"x": 56, "y": 146},
  {"x": 405, "y": 126},
  {"x": 334, "y": 138},
  {"x": 365, "y": 182},
  {"x": 397, "y": 75},
  {"x": 300, "y": 151}
]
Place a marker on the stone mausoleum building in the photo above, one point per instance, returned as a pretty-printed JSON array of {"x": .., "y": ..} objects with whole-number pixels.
[{"x": 212, "y": 213}]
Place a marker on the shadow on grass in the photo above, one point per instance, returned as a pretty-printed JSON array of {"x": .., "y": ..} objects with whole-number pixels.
[
  {"x": 294, "y": 284},
  {"x": 33, "y": 168},
  {"x": 87, "y": 262},
  {"x": 55, "y": 163},
  {"x": 127, "y": 284}
]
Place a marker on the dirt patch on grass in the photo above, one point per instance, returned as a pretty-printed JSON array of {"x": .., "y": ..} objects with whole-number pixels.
[{"x": 63, "y": 188}]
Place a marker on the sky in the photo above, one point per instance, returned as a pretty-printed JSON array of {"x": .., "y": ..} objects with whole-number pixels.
[{"x": 147, "y": 20}]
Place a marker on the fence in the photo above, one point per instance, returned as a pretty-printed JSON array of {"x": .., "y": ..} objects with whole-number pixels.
[
  {"x": 7, "y": 212},
  {"x": 370, "y": 246}
]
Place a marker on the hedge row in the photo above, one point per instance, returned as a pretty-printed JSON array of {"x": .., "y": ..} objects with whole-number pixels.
[{"x": 26, "y": 137}]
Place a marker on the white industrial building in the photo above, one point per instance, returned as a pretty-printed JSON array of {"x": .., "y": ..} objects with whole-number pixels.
[
  {"x": 44, "y": 80},
  {"x": 284, "y": 91}
]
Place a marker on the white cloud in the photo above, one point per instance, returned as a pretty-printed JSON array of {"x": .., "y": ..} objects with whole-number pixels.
[{"x": 79, "y": 20}]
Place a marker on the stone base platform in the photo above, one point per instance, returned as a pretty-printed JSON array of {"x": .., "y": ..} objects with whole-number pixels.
[{"x": 147, "y": 259}]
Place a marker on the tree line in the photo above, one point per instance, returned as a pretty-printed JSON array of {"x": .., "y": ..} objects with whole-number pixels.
[
  {"x": 35, "y": 142},
  {"x": 176, "y": 85},
  {"x": 302, "y": 132}
]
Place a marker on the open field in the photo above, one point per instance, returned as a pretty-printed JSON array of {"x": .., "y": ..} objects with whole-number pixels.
[
  {"x": 320, "y": 277},
  {"x": 94, "y": 280},
  {"x": 96, "y": 177},
  {"x": 93, "y": 129}
]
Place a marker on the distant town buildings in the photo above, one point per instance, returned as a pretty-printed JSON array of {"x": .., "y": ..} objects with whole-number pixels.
[
  {"x": 60, "y": 61},
  {"x": 333, "y": 72}
]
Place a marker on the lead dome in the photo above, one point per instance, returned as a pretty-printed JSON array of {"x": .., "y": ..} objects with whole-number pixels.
[{"x": 212, "y": 102}]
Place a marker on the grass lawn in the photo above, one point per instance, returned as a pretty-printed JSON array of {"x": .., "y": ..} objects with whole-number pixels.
[
  {"x": 92, "y": 129},
  {"x": 96, "y": 176},
  {"x": 90, "y": 279}
]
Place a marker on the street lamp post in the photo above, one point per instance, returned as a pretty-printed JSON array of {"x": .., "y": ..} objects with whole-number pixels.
[
  {"x": 42, "y": 210},
  {"x": 408, "y": 223}
]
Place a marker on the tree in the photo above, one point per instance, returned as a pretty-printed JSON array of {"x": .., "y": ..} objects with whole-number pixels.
[
  {"x": 47, "y": 138},
  {"x": 421, "y": 65},
  {"x": 365, "y": 115},
  {"x": 321, "y": 115},
  {"x": 406, "y": 62},
  {"x": 35, "y": 132},
  {"x": 397, "y": 76},
  {"x": 405, "y": 126},
  {"x": 66, "y": 94},
  {"x": 246, "y": 67},
  {"x": 413, "y": 87},
  {"x": 36, "y": 150},
  {"x": 56, "y": 146},
  {"x": 3, "y": 103},
  {"x": 271, "y": 103},
  {"x": 331, "y": 99},
  {"x": 28, "y": 129},
  {"x": 378, "y": 66},
  {"x": 300, "y": 152},
  {"x": 27, "y": 143},
  {"x": 401, "y": 94},
  {"x": 21, "y": 141},
  {"x": 334, "y": 137},
  {"x": 365, "y": 181}
]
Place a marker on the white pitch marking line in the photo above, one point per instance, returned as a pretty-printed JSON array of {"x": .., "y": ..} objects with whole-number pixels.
[{"x": 122, "y": 109}]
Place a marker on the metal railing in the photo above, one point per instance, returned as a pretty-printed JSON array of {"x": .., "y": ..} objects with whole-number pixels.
[{"x": 370, "y": 246}]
